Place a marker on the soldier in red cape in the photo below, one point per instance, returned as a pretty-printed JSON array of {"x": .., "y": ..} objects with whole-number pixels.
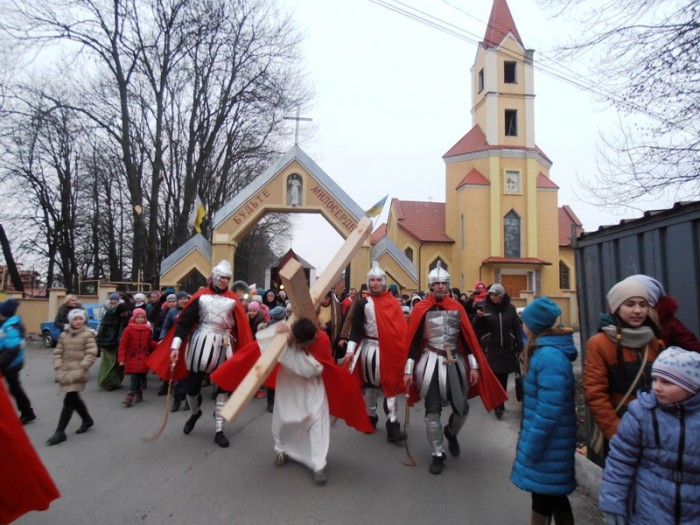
[
  {"x": 213, "y": 324},
  {"x": 25, "y": 485},
  {"x": 446, "y": 365},
  {"x": 376, "y": 350}
]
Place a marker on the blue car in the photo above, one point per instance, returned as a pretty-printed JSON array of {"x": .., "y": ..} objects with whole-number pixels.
[{"x": 50, "y": 333}]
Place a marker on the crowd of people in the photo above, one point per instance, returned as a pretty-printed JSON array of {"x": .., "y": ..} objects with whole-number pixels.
[{"x": 641, "y": 376}]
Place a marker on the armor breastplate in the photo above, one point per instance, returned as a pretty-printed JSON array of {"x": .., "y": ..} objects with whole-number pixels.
[
  {"x": 441, "y": 327},
  {"x": 216, "y": 313},
  {"x": 370, "y": 319}
]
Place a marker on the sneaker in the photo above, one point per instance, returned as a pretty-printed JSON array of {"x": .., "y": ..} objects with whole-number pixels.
[
  {"x": 319, "y": 477},
  {"x": 437, "y": 464},
  {"x": 281, "y": 458}
]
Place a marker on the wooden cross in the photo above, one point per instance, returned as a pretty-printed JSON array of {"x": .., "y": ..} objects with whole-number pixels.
[{"x": 304, "y": 303}]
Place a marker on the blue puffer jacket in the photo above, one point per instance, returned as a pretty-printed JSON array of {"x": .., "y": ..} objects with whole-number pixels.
[
  {"x": 544, "y": 462},
  {"x": 12, "y": 340},
  {"x": 639, "y": 480}
]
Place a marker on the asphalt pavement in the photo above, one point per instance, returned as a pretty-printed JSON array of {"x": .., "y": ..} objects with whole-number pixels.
[{"x": 109, "y": 475}]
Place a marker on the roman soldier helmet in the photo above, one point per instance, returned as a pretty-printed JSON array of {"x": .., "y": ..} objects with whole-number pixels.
[
  {"x": 376, "y": 271},
  {"x": 223, "y": 269},
  {"x": 438, "y": 275}
]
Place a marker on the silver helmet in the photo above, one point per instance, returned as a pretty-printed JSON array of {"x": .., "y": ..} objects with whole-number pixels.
[
  {"x": 376, "y": 271},
  {"x": 223, "y": 269},
  {"x": 438, "y": 275}
]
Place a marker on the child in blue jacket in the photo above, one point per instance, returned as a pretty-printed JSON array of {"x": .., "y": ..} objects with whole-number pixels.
[
  {"x": 652, "y": 474},
  {"x": 12, "y": 357}
]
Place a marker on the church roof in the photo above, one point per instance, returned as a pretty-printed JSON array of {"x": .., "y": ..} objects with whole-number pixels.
[
  {"x": 378, "y": 234},
  {"x": 474, "y": 178},
  {"x": 567, "y": 221},
  {"x": 423, "y": 220},
  {"x": 475, "y": 141},
  {"x": 500, "y": 24},
  {"x": 545, "y": 183}
]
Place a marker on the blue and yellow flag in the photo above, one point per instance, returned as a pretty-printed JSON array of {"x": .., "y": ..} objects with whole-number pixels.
[
  {"x": 377, "y": 208},
  {"x": 197, "y": 215}
]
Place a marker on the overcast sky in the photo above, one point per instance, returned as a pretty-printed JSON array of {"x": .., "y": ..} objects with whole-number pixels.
[{"x": 392, "y": 95}]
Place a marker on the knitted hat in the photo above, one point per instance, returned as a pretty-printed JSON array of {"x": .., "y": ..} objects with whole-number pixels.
[
  {"x": 498, "y": 290},
  {"x": 393, "y": 289},
  {"x": 654, "y": 288},
  {"x": 76, "y": 312},
  {"x": 9, "y": 307},
  {"x": 624, "y": 290},
  {"x": 182, "y": 295},
  {"x": 114, "y": 296},
  {"x": 254, "y": 306},
  {"x": 257, "y": 298},
  {"x": 278, "y": 313},
  {"x": 138, "y": 311},
  {"x": 405, "y": 309},
  {"x": 680, "y": 367},
  {"x": 541, "y": 314},
  {"x": 140, "y": 298},
  {"x": 171, "y": 297}
]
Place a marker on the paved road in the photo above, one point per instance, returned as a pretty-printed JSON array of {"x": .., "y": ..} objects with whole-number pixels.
[{"x": 109, "y": 476}]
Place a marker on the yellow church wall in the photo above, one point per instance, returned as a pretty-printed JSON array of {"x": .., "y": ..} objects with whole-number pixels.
[
  {"x": 548, "y": 239},
  {"x": 475, "y": 206}
]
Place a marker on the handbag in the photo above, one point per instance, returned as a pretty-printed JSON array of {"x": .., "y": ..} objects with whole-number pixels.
[
  {"x": 597, "y": 441},
  {"x": 519, "y": 387}
]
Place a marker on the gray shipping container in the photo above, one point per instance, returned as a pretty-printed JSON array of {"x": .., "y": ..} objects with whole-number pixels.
[{"x": 663, "y": 244}]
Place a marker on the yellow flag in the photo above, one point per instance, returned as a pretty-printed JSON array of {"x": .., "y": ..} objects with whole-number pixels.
[
  {"x": 377, "y": 208},
  {"x": 197, "y": 215}
]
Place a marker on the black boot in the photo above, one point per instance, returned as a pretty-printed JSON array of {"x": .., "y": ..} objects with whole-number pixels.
[
  {"x": 437, "y": 464},
  {"x": 60, "y": 435},
  {"x": 393, "y": 432},
  {"x": 452, "y": 443},
  {"x": 192, "y": 421},
  {"x": 220, "y": 439},
  {"x": 176, "y": 404},
  {"x": 82, "y": 411},
  {"x": 163, "y": 390},
  {"x": 27, "y": 416}
]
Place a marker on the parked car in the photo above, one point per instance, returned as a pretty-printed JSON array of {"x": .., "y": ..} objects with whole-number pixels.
[{"x": 50, "y": 333}]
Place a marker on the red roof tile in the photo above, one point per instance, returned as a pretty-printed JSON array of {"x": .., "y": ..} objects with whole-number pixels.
[
  {"x": 474, "y": 178},
  {"x": 516, "y": 260},
  {"x": 544, "y": 182},
  {"x": 378, "y": 234},
  {"x": 500, "y": 24},
  {"x": 567, "y": 220},
  {"x": 423, "y": 220},
  {"x": 475, "y": 140}
]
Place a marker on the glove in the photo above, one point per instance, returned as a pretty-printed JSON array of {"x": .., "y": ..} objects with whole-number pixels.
[{"x": 614, "y": 519}]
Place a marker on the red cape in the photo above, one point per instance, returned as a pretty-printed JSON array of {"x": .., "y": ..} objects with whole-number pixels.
[
  {"x": 488, "y": 387},
  {"x": 345, "y": 399},
  {"x": 393, "y": 349},
  {"x": 159, "y": 360},
  {"x": 25, "y": 485}
]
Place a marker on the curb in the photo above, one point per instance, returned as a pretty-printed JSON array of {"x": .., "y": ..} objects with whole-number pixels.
[{"x": 588, "y": 475}]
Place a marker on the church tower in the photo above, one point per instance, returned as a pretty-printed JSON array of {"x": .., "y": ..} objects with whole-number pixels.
[{"x": 501, "y": 206}]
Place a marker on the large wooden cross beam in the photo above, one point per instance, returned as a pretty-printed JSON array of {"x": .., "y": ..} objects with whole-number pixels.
[{"x": 304, "y": 303}]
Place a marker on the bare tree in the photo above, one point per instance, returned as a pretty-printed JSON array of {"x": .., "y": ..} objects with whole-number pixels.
[{"x": 646, "y": 55}]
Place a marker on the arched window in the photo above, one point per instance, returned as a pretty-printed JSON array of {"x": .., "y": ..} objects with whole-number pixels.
[
  {"x": 511, "y": 234},
  {"x": 564, "y": 276},
  {"x": 409, "y": 253},
  {"x": 433, "y": 264}
]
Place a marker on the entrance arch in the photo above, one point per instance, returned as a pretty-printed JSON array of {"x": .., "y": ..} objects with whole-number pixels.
[{"x": 293, "y": 184}]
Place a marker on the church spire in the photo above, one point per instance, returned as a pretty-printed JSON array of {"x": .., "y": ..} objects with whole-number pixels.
[{"x": 500, "y": 24}]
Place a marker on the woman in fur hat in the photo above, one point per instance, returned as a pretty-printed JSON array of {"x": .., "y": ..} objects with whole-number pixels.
[{"x": 627, "y": 343}]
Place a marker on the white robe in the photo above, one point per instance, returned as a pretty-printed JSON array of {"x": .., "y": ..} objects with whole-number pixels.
[{"x": 300, "y": 421}]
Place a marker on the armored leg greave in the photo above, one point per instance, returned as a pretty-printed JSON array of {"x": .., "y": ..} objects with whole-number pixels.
[
  {"x": 433, "y": 429},
  {"x": 390, "y": 408},
  {"x": 221, "y": 399},
  {"x": 371, "y": 395}
]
